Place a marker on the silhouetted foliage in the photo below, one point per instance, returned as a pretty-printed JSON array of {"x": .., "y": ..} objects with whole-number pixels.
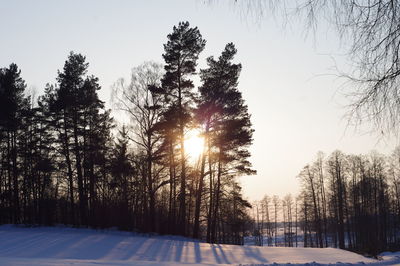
[
  {"x": 181, "y": 53},
  {"x": 62, "y": 159}
]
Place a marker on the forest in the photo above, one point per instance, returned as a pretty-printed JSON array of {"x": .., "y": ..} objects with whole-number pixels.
[
  {"x": 346, "y": 201},
  {"x": 65, "y": 160}
]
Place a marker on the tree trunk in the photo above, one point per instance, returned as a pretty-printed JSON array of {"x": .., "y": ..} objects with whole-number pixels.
[
  {"x": 200, "y": 190},
  {"x": 69, "y": 168},
  {"x": 217, "y": 201},
  {"x": 78, "y": 165},
  {"x": 182, "y": 200}
]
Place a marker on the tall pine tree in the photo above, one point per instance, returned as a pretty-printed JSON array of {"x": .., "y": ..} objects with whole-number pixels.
[
  {"x": 228, "y": 130},
  {"x": 181, "y": 53}
]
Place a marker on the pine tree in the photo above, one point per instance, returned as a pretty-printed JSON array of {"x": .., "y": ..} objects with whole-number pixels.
[
  {"x": 83, "y": 126},
  {"x": 181, "y": 53},
  {"x": 12, "y": 106},
  {"x": 227, "y": 128}
]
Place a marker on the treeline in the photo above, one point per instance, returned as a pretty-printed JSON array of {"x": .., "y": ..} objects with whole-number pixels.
[
  {"x": 347, "y": 201},
  {"x": 352, "y": 201},
  {"x": 64, "y": 161}
]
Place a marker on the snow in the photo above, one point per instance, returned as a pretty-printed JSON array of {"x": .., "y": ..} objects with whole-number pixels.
[{"x": 22, "y": 246}]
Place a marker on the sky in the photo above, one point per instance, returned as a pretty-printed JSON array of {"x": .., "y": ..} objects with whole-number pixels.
[{"x": 288, "y": 79}]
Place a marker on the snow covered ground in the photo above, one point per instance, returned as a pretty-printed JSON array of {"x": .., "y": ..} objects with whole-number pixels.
[{"x": 67, "y": 246}]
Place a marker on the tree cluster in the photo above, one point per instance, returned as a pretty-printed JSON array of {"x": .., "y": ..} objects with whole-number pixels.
[
  {"x": 346, "y": 201},
  {"x": 351, "y": 202},
  {"x": 64, "y": 161},
  {"x": 277, "y": 221}
]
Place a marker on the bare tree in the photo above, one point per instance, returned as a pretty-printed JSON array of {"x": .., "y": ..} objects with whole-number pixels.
[
  {"x": 288, "y": 207},
  {"x": 144, "y": 110},
  {"x": 266, "y": 202},
  {"x": 370, "y": 32},
  {"x": 275, "y": 202}
]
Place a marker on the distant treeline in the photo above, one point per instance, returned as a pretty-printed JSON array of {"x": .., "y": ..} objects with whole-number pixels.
[
  {"x": 63, "y": 160},
  {"x": 347, "y": 201}
]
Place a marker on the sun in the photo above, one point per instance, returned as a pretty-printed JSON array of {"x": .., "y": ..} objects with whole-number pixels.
[{"x": 194, "y": 144}]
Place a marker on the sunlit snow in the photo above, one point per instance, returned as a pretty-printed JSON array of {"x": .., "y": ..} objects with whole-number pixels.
[{"x": 67, "y": 246}]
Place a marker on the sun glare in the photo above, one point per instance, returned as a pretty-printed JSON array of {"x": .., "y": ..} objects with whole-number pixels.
[{"x": 194, "y": 144}]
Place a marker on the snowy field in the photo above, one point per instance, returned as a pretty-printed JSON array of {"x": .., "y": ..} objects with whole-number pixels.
[{"x": 66, "y": 246}]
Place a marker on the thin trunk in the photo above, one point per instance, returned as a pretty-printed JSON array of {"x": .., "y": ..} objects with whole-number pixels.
[
  {"x": 217, "y": 200},
  {"x": 211, "y": 201},
  {"x": 15, "y": 178},
  {"x": 200, "y": 190},
  {"x": 69, "y": 167},
  {"x": 78, "y": 165},
  {"x": 171, "y": 212},
  {"x": 150, "y": 186},
  {"x": 182, "y": 200}
]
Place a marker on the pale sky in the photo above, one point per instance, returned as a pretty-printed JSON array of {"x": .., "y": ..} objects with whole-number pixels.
[{"x": 287, "y": 82}]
